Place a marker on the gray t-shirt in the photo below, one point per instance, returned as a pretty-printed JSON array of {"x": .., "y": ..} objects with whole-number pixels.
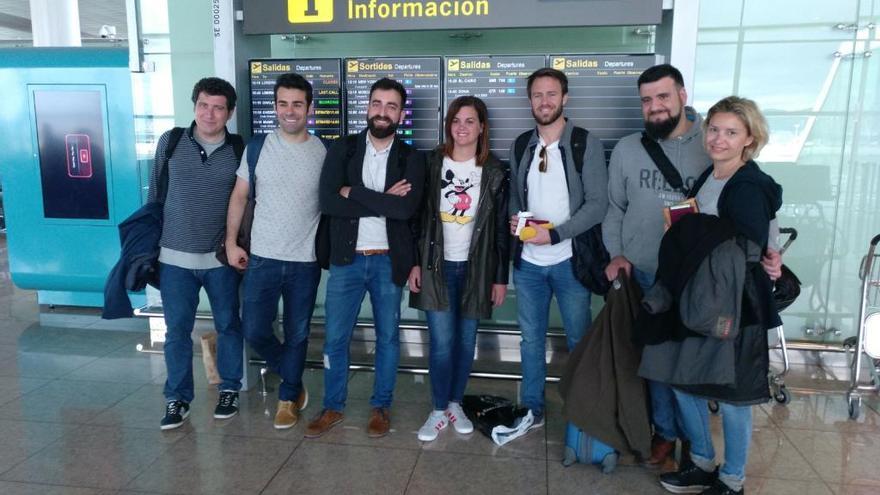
[
  {"x": 707, "y": 202},
  {"x": 286, "y": 214}
]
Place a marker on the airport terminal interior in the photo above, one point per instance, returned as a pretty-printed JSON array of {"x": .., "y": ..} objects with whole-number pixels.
[{"x": 81, "y": 397}]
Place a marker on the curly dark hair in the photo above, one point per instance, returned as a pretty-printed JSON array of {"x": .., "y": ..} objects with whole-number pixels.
[
  {"x": 214, "y": 86},
  {"x": 292, "y": 80}
]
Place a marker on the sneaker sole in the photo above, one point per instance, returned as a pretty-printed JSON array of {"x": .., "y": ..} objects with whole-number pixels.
[
  {"x": 175, "y": 425},
  {"x": 224, "y": 416},
  {"x": 321, "y": 434},
  {"x": 462, "y": 431},
  {"x": 285, "y": 427},
  {"x": 685, "y": 489}
]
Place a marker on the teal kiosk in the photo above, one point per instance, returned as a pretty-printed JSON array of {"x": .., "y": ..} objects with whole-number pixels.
[{"x": 69, "y": 169}]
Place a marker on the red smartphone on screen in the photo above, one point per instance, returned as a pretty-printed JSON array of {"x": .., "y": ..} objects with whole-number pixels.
[{"x": 79, "y": 155}]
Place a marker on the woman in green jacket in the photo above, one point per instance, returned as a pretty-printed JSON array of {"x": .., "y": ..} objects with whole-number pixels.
[{"x": 463, "y": 255}]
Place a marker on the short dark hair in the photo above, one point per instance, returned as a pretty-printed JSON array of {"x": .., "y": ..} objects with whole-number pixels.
[
  {"x": 389, "y": 84},
  {"x": 214, "y": 86},
  {"x": 292, "y": 80},
  {"x": 548, "y": 72},
  {"x": 657, "y": 72},
  {"x": 482, "y": 115}
]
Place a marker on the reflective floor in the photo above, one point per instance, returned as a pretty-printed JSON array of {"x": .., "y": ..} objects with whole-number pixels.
[{"x": 80, "y": 409}]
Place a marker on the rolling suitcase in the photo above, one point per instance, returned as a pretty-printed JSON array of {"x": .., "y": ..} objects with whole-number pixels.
[{"x": 580, "y": 447}]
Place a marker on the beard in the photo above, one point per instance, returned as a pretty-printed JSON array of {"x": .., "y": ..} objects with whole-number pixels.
[
  {"x": 662, "y": 129},
  {"x": 548, "y": 120},
  {"x": 381, "y": 132}
]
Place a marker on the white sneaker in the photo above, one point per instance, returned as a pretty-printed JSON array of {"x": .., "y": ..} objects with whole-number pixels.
[
  {"x": 436, "y": 421},
  {"x": 458, "y": 418}
]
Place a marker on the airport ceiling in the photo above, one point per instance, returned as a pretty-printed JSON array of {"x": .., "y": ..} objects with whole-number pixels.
[{"x": 15, "y": 18}]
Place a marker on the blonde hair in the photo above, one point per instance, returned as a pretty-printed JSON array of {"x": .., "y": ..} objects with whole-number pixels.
[{"x": 750, "y": 115}]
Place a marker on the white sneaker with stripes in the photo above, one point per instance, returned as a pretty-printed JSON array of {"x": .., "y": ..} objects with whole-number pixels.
[{"x": 436, "y": 421}]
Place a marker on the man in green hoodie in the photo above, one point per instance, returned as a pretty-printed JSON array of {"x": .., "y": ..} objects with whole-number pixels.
[{"x": 634, "y": 223}]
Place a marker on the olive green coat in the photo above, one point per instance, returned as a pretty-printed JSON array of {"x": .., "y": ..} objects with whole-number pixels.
[{"x": 489, "y": 254}]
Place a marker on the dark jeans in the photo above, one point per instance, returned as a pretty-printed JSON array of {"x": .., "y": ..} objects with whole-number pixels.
[
  {"x": 296, "y": 284},
  {"x": 180, "y": 300}
]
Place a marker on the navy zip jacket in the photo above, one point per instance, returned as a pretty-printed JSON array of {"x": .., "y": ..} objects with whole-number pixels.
[{"x": 138, "y": 263}]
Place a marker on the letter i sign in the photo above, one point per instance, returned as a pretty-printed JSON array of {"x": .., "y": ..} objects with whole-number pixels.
[{"x": 309, "y": 11}]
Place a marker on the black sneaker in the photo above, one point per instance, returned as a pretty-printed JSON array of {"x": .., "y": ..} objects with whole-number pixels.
[
  {"x": 688, "y": 479},
  {"x": 176, "y": 412},
  {"x": 721, "y": 488},
  {"x": 227, "y": 405}
]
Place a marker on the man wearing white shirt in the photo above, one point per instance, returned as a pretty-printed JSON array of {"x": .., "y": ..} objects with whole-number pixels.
[
  {"x": 371, "y": 185},
  {"x": 546, "y": 182}
]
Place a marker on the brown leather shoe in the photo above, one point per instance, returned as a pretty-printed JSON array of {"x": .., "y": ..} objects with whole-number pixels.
[
  {"x": 323, "y": 423},
  {"x": 662, "y": 450},
  {"x": 380, "y": 422},
  {"x": 303, "y": 400}
]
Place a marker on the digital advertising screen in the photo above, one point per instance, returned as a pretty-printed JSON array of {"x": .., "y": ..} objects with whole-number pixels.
[
  {"x": 500, "y": 81},
  {"x": 70, "y": 136},
  {"x": 325, "y": 76},
  {"x": 420, "y": 76}
]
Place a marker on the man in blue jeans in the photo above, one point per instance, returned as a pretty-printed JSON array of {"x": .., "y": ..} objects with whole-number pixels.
[
  {"x": 371, "y": 185},
  {"x": 546, "y": 183},
  {"x": 634, "y": 225},
  {"x": 200, "y": 175},
  {"x": 282, "y": 262}
]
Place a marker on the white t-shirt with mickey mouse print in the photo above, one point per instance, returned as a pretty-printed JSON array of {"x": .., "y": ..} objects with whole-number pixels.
[{"x": 459, "y": 197}]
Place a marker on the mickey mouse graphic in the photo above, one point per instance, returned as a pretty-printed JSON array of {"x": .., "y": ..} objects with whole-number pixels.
[{"x": 455, "y": 190}]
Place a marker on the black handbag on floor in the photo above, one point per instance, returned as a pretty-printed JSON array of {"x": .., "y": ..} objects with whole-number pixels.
[{"x": 489, "y": 411}]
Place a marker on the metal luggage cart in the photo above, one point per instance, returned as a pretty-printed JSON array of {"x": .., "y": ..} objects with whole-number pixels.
[
  {"x": 867, "y": 339},
  {"x": 777, "y": 378}
]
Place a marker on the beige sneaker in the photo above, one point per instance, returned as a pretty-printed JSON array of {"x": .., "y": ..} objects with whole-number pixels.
[{"x": 287, "y": 415}]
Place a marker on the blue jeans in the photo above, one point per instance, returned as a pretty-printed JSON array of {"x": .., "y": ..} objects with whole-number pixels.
[
  {"x": 664, "y": 411},
  {"x": 180, "y": 299},
  {"x": 737, "y": 425},
  {"x": 535, "y": 285},
  {"x": 346, "y": 288},
  {"x": 453, "y": 339},
  {"x": 296, "y": 283}
]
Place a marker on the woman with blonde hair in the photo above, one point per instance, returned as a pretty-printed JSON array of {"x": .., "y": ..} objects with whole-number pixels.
[{"x": 746, "y": 200}]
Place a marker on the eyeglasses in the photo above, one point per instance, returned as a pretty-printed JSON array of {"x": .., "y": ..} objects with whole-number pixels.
[{"x": 542, "y": 166}]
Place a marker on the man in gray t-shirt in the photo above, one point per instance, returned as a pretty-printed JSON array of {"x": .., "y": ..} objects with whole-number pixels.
[{"x": 282, "y": 262}]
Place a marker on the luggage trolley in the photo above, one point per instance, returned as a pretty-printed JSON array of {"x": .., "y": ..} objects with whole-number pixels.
[
  {"x": 867, "y": 339},
  {"x": 777, "y": 378}
]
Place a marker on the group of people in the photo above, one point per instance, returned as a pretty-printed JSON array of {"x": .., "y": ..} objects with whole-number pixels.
[{"x": 443, "y": 223}]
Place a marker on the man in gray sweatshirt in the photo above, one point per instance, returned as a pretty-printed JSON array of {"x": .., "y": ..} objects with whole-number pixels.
[
  {"x": 634, "y": 223},
  {"x": 637, "y": 193}
]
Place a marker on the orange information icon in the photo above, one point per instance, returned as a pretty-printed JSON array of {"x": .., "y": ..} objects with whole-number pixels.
[{"x": 309, "y": 11}]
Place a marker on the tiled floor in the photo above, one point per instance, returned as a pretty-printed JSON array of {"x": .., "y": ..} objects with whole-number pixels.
[{"x": 79, "y": 413}]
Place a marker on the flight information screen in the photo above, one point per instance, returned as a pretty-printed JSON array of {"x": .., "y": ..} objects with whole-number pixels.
[
  {"x": 325, "y": 76},
  {"x": 420, "y": 77},
  {"x": 501, "y": 83},
  {"x": 602, "y": 93}
]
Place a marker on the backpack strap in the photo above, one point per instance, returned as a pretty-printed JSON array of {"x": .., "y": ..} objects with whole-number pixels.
[
  {"x": 255, "y": 146},
  {"x": 237, "y": 145},
  {"x": 173, "y": 138},
  {"x": 673, "y": 178},
  {"x": 519, "y": 147},
  {"x": 579, "y": 147}
]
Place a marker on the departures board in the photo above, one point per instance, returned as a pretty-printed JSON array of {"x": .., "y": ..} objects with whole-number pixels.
[
  {"x": 603, "y": 95},
  {"x": 420, "y": 76},
  {"x": 325, "y": 76},
  {"x": 500, "y": 81}
]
